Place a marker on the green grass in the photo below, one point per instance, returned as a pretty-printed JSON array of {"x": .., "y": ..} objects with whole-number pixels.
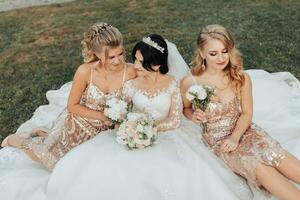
[{"x": 40, "y": 47}]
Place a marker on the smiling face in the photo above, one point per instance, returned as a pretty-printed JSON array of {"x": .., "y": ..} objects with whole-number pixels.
[
  {"x": 215, "y": 54},
  {"x": 115, "y": 58}
]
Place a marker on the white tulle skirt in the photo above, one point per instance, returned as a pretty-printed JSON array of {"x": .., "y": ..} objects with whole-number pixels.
[{"x": 178, "y": 167}]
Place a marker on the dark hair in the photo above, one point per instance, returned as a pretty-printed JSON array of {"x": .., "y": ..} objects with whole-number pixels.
[{"x": 152, "y": 56}]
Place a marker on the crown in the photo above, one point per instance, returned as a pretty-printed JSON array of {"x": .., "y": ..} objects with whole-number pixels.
[{"x": 153, "y": 44}]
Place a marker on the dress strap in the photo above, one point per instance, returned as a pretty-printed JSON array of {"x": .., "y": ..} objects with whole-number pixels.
[
  {"x": 124, "y": 74},
  {"x": 91, "y": 78}
]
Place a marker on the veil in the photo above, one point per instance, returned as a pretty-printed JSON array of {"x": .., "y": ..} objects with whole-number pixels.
[{"x": 177, "y": 66}]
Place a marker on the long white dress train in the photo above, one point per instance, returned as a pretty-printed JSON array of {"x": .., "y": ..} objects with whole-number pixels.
[{"x": 178, "y": 167}]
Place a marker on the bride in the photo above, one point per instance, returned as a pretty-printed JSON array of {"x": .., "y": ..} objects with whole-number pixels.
[{"x": 177, "y": 167}]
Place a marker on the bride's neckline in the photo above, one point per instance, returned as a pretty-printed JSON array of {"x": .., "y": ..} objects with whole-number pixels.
[{"x": 156, "y": 93}]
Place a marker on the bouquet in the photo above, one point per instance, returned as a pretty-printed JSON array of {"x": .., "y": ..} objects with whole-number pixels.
[
  {"x": 116, "y": 109},
  {"x": 200, "y": 97},
  {"x": 137, "y": 131}
]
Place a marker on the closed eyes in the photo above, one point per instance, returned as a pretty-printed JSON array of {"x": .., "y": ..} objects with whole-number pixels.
[
  {"x": 214, "y": 53},
  {"x": 112, "y": 57}
]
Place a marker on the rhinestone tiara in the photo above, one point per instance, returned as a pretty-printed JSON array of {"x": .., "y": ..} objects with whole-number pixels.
[
  {"x": 100, "y": 30},
  {"x": 153, "y": 44}
]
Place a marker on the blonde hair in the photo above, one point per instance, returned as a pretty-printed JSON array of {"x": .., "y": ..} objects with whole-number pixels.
[
  {"x": 100, "y": 37},
  {"x": 235, "y": 66}
]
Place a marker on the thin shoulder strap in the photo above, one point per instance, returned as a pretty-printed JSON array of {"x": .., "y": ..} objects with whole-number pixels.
[
  {"x": 124, "y": 74},
  {"x": 91, "y": 78}
]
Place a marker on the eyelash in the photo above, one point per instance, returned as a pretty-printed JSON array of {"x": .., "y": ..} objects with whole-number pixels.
[
  {"x": 121, "y": 54},
  {"x": 214, "y": 54}
]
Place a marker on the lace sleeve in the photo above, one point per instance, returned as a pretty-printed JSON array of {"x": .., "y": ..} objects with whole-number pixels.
[{"x": 173, "y": 119}]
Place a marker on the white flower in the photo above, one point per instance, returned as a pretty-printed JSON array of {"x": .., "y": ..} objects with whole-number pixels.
[
  {"x": 198, "y": 90},
  {"x": 138, "y": 141},
  {"x": 147, "y": 142},
  {"x": 133, "y": 116},
  {"x": 189, "y": 96},
  {"x": 139, "y": 128},
  {"x": 115, "y": 109}
]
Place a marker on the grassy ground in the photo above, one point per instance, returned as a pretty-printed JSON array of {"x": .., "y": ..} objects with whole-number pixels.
[{"x": 40, "y": 47}]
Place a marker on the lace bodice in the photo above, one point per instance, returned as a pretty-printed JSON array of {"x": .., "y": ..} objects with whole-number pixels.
[{"x": 164, "y": 105}]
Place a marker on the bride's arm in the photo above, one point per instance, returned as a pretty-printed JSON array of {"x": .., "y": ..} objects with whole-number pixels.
[
  {"x": 173, "y": 119},
  {"x": 79, "y": 84}
]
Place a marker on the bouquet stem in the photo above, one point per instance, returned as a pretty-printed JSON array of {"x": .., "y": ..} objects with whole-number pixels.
[{"x": 204, "y": 127}]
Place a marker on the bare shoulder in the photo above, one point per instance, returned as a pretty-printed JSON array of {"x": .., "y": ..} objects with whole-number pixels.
[
  {"x": 170, "y": 78},
  {"x": 247, "y": 78},
  {"x": 84, "y": 69},
  {"x": 131, "y": 72},
  {"x": 187, "y": 80}
]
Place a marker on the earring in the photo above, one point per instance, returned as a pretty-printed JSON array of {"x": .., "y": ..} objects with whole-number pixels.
[{"x": 203, "y": 64}]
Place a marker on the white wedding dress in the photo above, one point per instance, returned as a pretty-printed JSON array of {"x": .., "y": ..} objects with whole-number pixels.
[{"x": 178, "y": 167}]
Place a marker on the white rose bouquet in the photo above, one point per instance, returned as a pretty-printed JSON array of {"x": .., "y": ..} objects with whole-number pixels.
[
  {"x": 200, "y": 96},
  {"x": 116, "y": 109},
  {"x": 137, "y": 131}
]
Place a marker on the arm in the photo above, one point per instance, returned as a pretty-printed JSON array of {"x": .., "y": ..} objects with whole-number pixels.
[
  {"x": 247, "y": 109},
  {"x": 79, "y": 84},
  {"x": 245, "y": 118},
  {"x": 196, "y": 116},
  {"x": 173, "y": 119}
]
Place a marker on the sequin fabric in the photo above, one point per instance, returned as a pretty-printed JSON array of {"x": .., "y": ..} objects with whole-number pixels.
[
  {"x": 70, "y": 130},
  {"x": 255, "y": 147}
]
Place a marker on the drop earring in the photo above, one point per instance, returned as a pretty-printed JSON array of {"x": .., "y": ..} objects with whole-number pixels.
[{"x": 203, "y": 66}]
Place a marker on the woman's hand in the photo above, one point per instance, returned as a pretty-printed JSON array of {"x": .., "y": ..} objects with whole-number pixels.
[
  {"x": 199, "y": 116},
  {"x": 117, "y": 126},
  {"x": 229, "y": 144},
  {"x": 108, "y": 122}
]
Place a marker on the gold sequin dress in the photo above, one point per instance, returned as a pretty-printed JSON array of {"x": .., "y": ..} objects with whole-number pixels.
[
  {"x": 70, "y": 130},
  {"x": 255, "y": 146}
]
